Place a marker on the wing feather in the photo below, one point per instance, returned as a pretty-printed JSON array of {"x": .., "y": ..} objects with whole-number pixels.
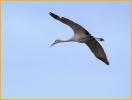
[
  {"x": 76, "y": 27},
  {"x": 98, "y": 50}
]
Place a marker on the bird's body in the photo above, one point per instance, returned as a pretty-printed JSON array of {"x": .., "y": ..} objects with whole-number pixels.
[
  {"x": 80, "y": 38},
  {"x": 81, "y": 35}
]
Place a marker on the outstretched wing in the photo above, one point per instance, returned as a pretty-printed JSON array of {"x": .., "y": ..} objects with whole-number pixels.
[
  {"x": 97, "y": 49},
  {"x": 76, "y": 27}
]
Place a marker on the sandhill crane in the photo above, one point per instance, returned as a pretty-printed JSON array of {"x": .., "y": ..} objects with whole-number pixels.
[{"x": 81, "y": 35}]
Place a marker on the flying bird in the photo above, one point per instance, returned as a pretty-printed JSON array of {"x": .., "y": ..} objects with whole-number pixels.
[{"x": 81, "y": 35}]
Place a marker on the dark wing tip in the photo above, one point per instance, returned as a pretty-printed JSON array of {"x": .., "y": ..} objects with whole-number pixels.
[
  {"x": 54, "y": 15},
  {"x": 104, "y": 60},
  {"x": 107, "y": 63}
]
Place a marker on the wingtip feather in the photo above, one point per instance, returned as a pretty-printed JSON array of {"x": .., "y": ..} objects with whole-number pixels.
[
  {"x": 107, "y": 63},
  {"x": 54, "y": 15},
  {"x": 104, "y": 59}
]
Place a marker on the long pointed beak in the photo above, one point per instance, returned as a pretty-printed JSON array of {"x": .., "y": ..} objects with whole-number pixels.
[{"x": 53, "y": 44}]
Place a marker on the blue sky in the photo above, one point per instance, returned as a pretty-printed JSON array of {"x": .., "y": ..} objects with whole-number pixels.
[{"x": 33, "y": 69}]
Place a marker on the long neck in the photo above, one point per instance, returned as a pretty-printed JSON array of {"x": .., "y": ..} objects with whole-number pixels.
[{"x": 69, "y": 40}]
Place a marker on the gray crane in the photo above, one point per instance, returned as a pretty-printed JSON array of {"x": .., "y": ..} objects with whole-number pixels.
[{"x": 81, "y": 35}]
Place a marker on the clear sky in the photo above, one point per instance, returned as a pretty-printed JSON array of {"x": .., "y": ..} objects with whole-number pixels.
[{"x": 33, "y": 69}]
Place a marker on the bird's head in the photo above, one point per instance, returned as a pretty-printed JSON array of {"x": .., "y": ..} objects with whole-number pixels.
[{"x": 56, "y": 41}]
